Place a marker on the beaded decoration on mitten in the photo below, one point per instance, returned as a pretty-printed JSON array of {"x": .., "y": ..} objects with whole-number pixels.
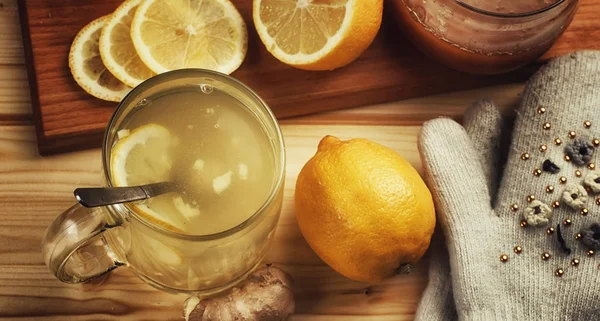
[{"x": 527, "y": 252}]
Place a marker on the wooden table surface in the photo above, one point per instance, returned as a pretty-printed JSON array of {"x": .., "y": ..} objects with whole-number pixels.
[{"x": 34, "y": 190}]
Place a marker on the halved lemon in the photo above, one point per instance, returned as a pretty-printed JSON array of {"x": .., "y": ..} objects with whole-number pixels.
[
  {"x": 143, "y": 157},
  {"x": 175, "y": 34},
  {"x": 117, "y": 50},
  {"x": 317, "y": 34},
  {"x": 87, "y": 67}
]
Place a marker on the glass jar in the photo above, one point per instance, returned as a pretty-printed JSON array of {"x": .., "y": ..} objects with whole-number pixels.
[{"x": 483, "y": 36}]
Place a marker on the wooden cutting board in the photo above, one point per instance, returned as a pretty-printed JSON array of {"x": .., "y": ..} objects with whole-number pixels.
[{"x": 67, "y": 118}]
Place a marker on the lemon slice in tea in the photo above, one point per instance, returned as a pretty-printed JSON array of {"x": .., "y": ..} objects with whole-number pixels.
[{"x": 142, "y": 156}]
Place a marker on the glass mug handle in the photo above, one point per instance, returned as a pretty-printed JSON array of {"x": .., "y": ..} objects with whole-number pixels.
[{"x": 74, "y": 247}]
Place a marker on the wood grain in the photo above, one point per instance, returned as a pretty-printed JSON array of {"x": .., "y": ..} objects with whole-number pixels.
[
  {"x": 11, "y": 49},
  {"x": 389, "y": 70},
  {"x": 416, "y": 111}
]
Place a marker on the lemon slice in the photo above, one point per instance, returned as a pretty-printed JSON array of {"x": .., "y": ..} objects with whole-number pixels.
[
  {"x": 87, "y": 67},
  {"x": 317, "y": 34},
  {"x": 175, "y": 34},
  {"x": 117, "y": 50},
  {"x": 142, "y": 156}
]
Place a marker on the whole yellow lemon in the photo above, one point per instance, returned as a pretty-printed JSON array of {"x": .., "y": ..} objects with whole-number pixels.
[{"x": 363, "y": 209}]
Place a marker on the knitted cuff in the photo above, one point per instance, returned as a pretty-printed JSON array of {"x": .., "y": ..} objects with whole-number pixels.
[{"x": 437, "y": 302}]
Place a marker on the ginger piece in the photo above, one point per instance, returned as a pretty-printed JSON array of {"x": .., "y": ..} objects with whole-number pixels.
[
  {"x": 222, "y": 182},
  {"x": 266, "y": 295}
]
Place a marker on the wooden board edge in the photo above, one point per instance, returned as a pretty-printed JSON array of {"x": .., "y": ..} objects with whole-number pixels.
[
  {"x": 52, "y": 145},
  {"x": 31, "y": 76},
  {"x": 56, "y": 144}
]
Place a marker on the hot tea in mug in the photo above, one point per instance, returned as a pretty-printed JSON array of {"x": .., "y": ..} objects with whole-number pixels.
[{"x": 220, "y": 147}]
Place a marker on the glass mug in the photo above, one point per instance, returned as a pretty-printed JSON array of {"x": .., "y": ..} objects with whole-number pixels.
[
  {"x": 84, "y": 243},
  {"x": 484, "y": 37}
]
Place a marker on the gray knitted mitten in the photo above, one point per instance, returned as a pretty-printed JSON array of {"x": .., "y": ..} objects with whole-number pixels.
[
  {"x": 437, "y": 302},
  {"x": 527, "y": 252},
  {"x": 482, "y": 123}
]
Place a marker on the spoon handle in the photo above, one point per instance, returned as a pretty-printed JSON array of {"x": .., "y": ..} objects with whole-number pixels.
[{"x": 102, "y": 196}]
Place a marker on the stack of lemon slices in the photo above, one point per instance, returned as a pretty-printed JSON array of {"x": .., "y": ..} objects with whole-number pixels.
[{"x": 146, "y": 37}]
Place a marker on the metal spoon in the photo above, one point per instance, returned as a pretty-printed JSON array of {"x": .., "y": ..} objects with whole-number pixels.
[{"x": 102, "y": 196}]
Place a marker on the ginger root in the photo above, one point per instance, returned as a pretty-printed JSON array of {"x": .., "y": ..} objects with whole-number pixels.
[{"x": 266, "y": 295}]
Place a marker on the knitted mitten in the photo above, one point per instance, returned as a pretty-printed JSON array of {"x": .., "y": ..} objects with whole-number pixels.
[
  {"x": 526, "y": 252},
  {"x": 482, "y": 123},
  {"x": 437, "y": 303}
]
